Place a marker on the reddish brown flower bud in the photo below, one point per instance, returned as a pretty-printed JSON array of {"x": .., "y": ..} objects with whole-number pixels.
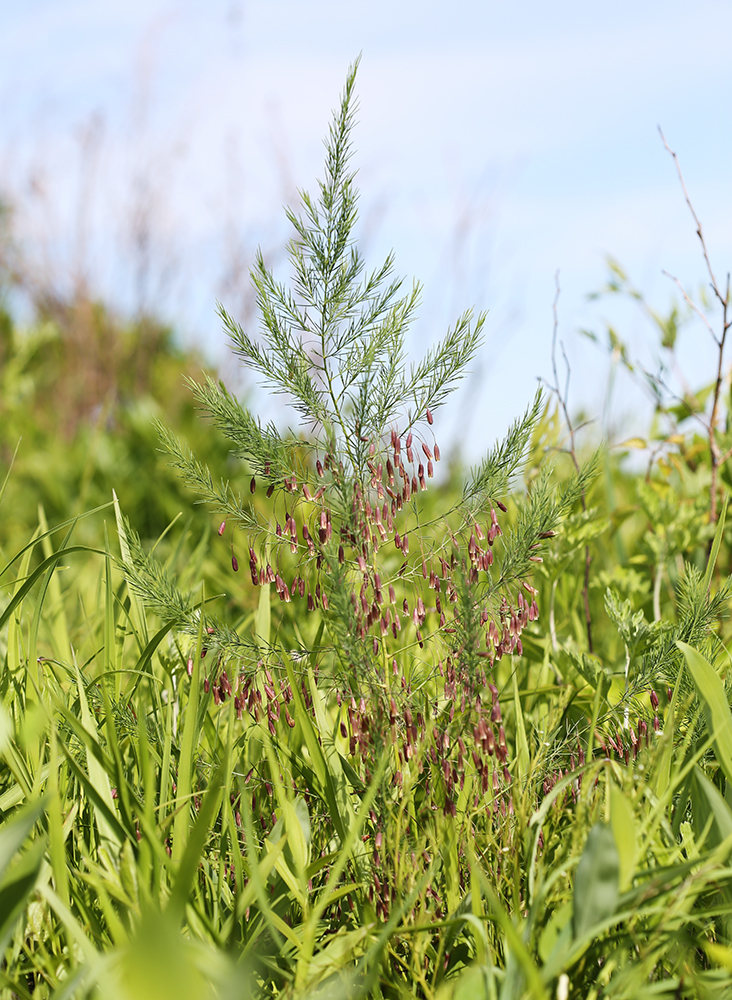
[
  {"x": 654, "y": 700},
  {"x": 234, "y": 563},
  {"x": 270, "y": 490},
  {"x": 253, "y": 485},
  {"x": 319, "y": 468},
  {"x": 222, "y": 527}
]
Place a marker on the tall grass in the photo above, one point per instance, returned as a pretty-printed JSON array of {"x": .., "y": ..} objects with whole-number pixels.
[{"x": 205, "y": 797}]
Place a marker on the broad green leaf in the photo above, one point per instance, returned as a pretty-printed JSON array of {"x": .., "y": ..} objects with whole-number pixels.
[
  {"x": 633, "y": 442},
  {"x": 294, "y": 823},
  {"x": 476, "y": 983},
  {"x": 160, "y": 962},
  {"x": 711, "y": 815},
  {"x": 6, "y": 729},
  {"x": 16, "y": 888},
  {"x": 344, "y": 948},
  {"x": 718, "y": 535},
  {"x": 15, "y": 831},
  {"x": 289, "y": 877},
  {"x": 596, "y": 882},
  {"x": 713, "y": 697},
  {"x": 720, "y": 954},
  {"x": 622, "y": 822},
  {"x": 557, "y": 932},
  {"x": 297, "y": 826}
]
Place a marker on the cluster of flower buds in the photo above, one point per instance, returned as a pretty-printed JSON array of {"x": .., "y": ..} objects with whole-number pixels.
[
  {"x": 358, "y": 730},
  {"x": 252, "y": 697},
  {"x": 504, "y": 636},
  {"x": 629, "y": 747}
]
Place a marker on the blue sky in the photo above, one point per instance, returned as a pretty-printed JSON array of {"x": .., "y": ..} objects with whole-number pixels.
[{"x": 496, "y": 144}]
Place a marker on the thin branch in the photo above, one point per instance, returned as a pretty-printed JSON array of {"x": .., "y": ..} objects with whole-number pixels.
[
  {"x": 697, "y": 223},
  {"x": 690, "y": 302},
  {"x": 716, "y": 456}
]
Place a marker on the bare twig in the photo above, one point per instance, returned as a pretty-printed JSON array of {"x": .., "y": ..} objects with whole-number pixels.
[
  {"x": 690, "y": 302},
  {"x": 695, "y": 217},
  {"x": 716, "y": 455}
]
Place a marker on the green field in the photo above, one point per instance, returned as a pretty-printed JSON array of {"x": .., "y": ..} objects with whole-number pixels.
[{"x": 324, "y": 714}]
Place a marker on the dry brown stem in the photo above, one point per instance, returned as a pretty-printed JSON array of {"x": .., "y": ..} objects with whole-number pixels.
[{"x": 718, "y": 458}]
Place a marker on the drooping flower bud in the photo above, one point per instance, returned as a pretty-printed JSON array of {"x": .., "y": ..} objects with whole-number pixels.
[{"x": 222, "y": 527}]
